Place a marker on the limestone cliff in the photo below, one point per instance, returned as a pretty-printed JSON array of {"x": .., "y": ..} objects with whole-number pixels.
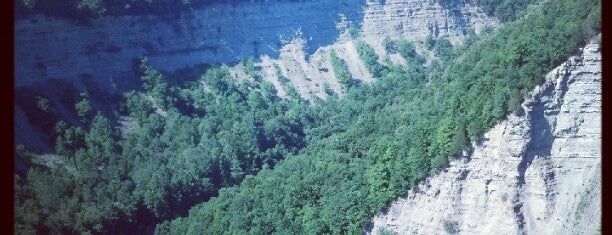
[
  {"x": 536, "y": 172},
  {"x": 411, "y": 20},
  {"x": 292, "y": 39},
  {"x": 104, "y": 48},
  {"x": 415, "y": 19}
]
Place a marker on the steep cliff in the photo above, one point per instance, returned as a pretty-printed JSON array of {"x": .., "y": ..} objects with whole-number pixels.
[
  {"x": 410, "y": 20},
  {"x": 536, "y": 172},
  {"x": 415, "y": 19},
  {"x": 56, "y": 58},
  {"x": 104, "y": 48}
]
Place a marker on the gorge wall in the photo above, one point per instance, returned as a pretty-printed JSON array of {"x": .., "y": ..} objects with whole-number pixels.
[
  {"x": 104, "y": 48},
  {"x": 536, "y": 172},
  {"x": 411, "y": 20},
  {"x": 57, "y": 58}
]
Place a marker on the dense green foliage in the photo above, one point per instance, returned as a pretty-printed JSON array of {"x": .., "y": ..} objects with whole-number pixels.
[
  {"x": 341, "y": 70},
  {"x": 443, "y": 49},
  {"x": 398, "y": 134},
  {"x": 370, "y": 58},
  {"x": 389, "y": 45},
  {"x": 166, "y": 158},
  {"x": 504, "y": 10},
  {"x": 407, "y": 51}
]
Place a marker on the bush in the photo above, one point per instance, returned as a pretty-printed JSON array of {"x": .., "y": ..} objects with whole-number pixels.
[
  {"x": 406, "y": 49},
  {"x": 370, "y": 58},
  {"x": 443, "y": 49},
  {"x": 451, "y": 226},
  {"x": 340, "y": 70},
  {"x": 386, "y": 231},
  {"x": 390, "y": 46}
]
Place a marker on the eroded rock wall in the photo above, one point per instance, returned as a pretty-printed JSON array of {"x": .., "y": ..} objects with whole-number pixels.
[
  {"x": 536, "y": 172},
  {"x": 104, "y": 48},
  {"x": 54, "y": 57},
  {"x": 411, "y": 20},
  {"x": 292, "y": 39},
  {"x": 415, "y": 19}
]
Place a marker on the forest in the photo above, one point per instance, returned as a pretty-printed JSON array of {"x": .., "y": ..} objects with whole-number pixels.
[{"x": 220, "y": 156}]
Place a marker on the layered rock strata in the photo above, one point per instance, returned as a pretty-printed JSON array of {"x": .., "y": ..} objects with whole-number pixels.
[
  {"x": 293, "y": 40},
  {"x": 536, "y": 172},
  {"x": 104, "y": 48},
  {"x": 416, "y": 19},
  {"x": 410, "y": 20}
]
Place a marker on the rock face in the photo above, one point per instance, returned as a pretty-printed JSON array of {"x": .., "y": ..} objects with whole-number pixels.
[
  {"x": 415, "y": 19},
  {"x": 293, "y": 40},
  {"x": 57, "y": 58},
  {"x": 104, "y": 48},
  {"x": 537, "y": 172},
  {"x": 411, "y": 20}
]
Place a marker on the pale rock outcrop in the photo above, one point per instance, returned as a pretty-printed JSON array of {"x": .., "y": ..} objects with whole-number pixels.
[
  {"x": 104, "y": 48},
  {"x": 310, "y": 74},
  {"x": 536, "y": 172},
  {"x": 411, "y": 20},
  {"x": 414, "y": 20},
  {"x": 101, "y": 55}
]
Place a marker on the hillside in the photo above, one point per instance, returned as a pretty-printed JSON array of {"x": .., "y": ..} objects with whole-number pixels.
[
  {"x": 100, "y": 56},
  {"x": 337, "y": 183},
  {"x": 536, "y": 172},
  {"x": 297, "y": 117}
]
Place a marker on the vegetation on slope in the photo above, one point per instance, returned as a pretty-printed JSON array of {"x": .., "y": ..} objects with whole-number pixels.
[
  {"x": 341, "y": 70},
  {"x": 177, "y": 148},
  {"x": 370, "y": 58},
  {"x": 344, "y": 159},
  {"x": 398, "y": 134},
  {"x": 504, "y": 10}
]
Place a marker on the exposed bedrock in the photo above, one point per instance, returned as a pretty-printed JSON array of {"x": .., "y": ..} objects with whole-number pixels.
[
  {"x": 105, "y": 47},
  {"x": 538, "y": 172},
  {"x": 57, "y": 59}
]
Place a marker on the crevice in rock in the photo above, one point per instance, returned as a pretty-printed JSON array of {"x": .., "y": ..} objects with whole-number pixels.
[
  {"x": 541, "y": 162},
  {"x": 540, "y": 135},
  {"x": 518, "y": 212},
  {"x": 549, "y": 182}
]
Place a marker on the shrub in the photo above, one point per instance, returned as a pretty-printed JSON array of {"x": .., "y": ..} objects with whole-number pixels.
[
  {"x": 340, "y": 69},
  {"x": 390, "y": 45},
  {"x": 451, "y": 226},
  {"x": 386, "y": 231},
  {"x": 370, "y": 58}
]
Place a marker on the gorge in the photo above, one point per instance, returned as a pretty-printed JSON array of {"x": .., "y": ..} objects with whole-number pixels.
[{"x": 283, "y": 116}]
